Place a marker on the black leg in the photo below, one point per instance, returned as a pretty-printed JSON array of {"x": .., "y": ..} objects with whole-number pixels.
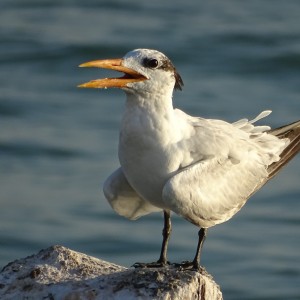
[
  {"x": 166, "y": 236},
  {"x": 195, "y": 264},
  {"x": 164, "y": 247},
  {"x": 202, "y": 235}
]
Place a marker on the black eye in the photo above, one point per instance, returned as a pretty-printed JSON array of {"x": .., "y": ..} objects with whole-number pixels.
[{"x": 151, "y": 63}]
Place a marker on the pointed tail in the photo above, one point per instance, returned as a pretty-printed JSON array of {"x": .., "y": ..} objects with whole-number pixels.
[{"x": 292, "y": 132}]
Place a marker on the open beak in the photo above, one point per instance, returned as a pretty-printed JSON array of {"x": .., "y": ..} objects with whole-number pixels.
[{"x": 113, "y": 64}]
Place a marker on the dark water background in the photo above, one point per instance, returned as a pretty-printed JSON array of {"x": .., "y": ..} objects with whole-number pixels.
[{"x": 58, "y": 143}]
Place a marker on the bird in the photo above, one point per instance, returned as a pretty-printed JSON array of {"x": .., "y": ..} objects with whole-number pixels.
[{"x": 203, "y": 170}]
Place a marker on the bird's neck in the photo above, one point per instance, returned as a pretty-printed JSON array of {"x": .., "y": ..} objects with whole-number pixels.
[
  {"x": 151, "y": 115},
  {"x": 153, "y": 105}
]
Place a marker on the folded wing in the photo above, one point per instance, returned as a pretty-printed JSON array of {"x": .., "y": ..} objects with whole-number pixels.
[
  {"x": 212, "y": 191},
  {"x": 123, "y": 198}
]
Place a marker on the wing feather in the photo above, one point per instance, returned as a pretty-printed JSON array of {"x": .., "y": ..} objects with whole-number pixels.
[
  {"x": 212, "y": 191},
  {"x": 123, "y": 198},
  {"x": 243, "y": 157}
]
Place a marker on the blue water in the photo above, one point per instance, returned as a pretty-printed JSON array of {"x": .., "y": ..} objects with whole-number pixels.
[{"x": 59, "y": 143}]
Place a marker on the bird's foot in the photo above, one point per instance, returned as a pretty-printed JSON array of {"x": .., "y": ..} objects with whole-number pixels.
[
  {"x": 156, "y": 264},
  {"x": 188, "y": 265}
]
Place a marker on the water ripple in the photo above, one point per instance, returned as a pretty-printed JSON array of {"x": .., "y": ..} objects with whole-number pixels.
[{"x": 34, "y": 150}]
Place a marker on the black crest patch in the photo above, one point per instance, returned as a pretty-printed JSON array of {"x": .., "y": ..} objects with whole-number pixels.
[
  {"x": 168, "y": 66},
  {"x": 178, "y": 81}
]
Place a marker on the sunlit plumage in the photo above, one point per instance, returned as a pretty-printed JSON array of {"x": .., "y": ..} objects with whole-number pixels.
[{"x": 202, "y": 169}]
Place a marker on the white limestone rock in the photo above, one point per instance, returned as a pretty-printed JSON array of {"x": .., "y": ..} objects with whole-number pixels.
[{"x": 60, "y": 273}]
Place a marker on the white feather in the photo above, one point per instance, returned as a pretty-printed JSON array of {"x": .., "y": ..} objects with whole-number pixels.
[{"x": 202, "y": 169}]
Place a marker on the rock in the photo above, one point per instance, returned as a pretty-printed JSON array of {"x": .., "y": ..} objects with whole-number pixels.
[{"x": 60, "y": 273}]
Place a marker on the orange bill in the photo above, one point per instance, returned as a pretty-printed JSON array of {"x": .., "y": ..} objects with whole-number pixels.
[{"x": 113, "y": 64}]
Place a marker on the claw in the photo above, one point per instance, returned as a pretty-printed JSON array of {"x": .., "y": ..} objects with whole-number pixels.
[
  {"x": 187, "y": 265},
  {"x": 156, "y": 264}
]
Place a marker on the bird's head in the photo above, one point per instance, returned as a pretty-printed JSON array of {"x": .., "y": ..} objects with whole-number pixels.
[{"x": 144, "y": 70}]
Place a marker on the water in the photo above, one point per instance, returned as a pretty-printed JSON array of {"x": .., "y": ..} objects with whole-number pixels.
[{"x": 58, "y": 143}]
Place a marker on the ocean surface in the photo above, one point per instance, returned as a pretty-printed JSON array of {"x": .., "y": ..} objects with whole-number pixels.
[{"x": 58, "y": 143}]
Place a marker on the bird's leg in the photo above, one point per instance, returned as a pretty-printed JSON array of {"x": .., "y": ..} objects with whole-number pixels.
[
  {"x": 166, "y": 236},
  {"x": 195, "y": 264},
  {"x": 164, "y": 247},
  {"x": 201, "y": 238}
]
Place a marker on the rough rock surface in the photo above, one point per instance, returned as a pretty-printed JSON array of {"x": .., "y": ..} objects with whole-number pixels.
[{"x": 60, "y": 273}]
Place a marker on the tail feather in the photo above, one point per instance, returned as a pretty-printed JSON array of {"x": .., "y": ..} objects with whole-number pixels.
[{"x": 291, "y": 132}]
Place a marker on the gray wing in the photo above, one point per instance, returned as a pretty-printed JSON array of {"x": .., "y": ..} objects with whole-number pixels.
[
  {"x": 123, "y": 198},
  {"x": 212, "y": 191},
  {"x": 234, "y": 165}
]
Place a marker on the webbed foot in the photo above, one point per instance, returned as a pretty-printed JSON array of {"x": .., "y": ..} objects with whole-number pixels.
[
  {"x": 156, "y": 264},
  {"x": 188, "y": 265}
]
